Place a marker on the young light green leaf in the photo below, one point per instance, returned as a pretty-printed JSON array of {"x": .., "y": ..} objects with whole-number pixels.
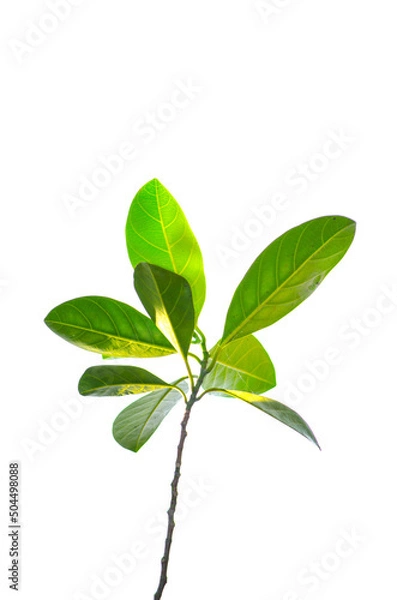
[
  {"x": 286, "y": 273},
  {"x": 241, "y": 365},
  {"x": 136, "y": 423},
  {"x": 278, "y": 411},
  {"x": 158, "y": 233},
  {"x": 118, "y": 380},
  {"x": 108, "y": 327},
  {"x": 167, "y": 298}
]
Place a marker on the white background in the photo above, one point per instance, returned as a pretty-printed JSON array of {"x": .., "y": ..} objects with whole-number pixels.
[{"x": 272, "y": 93}]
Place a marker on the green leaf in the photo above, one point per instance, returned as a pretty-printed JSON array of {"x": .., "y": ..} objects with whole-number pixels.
[
  {"x": 241, "y": 365},
  {"x": 118, "y": 380},
  {"x": 286, "y": 273},
  {"x": 167, "y": 298},
  {"x": 158, "y": 233},
  {"x": 136, "y": 423},
  {"x": 108, "y": 327},
  {"x": 278, "y": 411}
]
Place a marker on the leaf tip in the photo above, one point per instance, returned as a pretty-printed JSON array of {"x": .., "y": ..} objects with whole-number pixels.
[
  {"x": 48, "y": 317},
  {"x": 81, "y": 389},
  {"x": 312, "y": 438},
  {"x": 156, "y": 183},
  {"x": 82, "y": 384}
]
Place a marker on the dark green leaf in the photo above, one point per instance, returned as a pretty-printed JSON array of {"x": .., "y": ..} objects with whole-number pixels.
[
  {"x": 286, "y": 273},
  {"x": 158, "y": 233},
  {"x": 108, "y": 327},
  {"x": 136, "y": 423},
  {"x": 167, "y": 298},
  {"x": 242, "y": 365},
  {"x": 278, "y": 411},
  {"x": 118, "y": 380}
]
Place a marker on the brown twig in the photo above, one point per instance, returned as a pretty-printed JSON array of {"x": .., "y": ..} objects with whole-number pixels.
[{"x": 175, "y": 481}]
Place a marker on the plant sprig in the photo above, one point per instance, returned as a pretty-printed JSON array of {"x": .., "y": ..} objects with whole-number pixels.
[{"x": 170, "y": 282}]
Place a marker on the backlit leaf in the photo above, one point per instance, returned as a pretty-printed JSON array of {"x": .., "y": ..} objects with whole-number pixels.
[
  {"x": 286, "y": 273},
  {"x": 167, "y": 298},
  {"x": 158, "y": 233},
  {"x": 136, "y": 423},
  {"x": 242, "y": 365},
  {"x": 109, "y": 327},
  {"x": 278, "y": 411},
  {"x": 118, "y": 380}
]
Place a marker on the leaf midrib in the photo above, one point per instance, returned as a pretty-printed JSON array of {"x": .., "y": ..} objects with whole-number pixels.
[
  {"x": 160, "y": 295},
  {"x": 220, "y": 362},
  {"x": 163, "y": 229},
  {"x": 110, "y": 335},
  {"x": 174, "y": 388},
  {"x": 154, "y": 386},
  {"x": 151, "y": 413},
  {"x": 260, "y": 306}
]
